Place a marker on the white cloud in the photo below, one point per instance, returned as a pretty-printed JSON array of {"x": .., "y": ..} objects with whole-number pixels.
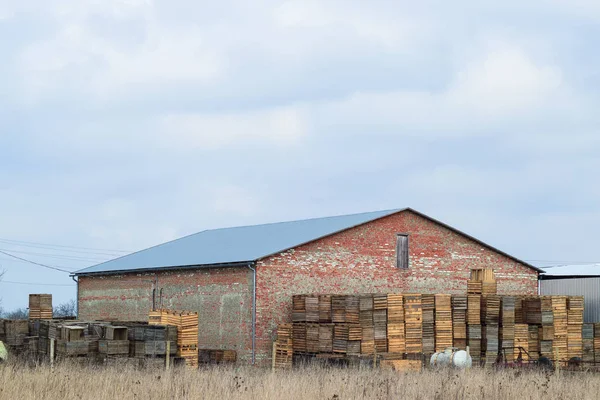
[
  {"x": 281, "y": 126},
  {"x": 505, "y": 80}
]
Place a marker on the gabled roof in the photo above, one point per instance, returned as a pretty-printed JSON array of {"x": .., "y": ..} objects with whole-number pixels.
[
  {"x": 234, "y": 245},
  {"x": 245, "y": 244}
]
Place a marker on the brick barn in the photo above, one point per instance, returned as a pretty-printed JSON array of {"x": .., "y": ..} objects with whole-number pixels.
[{"x": 241, "y": 280}]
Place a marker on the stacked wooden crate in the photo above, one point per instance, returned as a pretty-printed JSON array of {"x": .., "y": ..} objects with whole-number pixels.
[
  {"x": 428, "y": 310},
  {"x": 325, "y": 338},
  {"x": 443, "y": 322},
  {"x": 312, "y": 338},
  {"x": 560, "y": 318},
  {"x": 459, "y": 321},
  {"x": 491, "y": 312},
  {"x": 299, "y": 337},
  {"x": 338, "y": 310},
  {"x": 367, "y": 345},
  {"x": 575, "y": 326},
  {"x": 546, "y": 330},
  {"x": 532, "y": 310},
  {"x": 325, "y": 309},
  {"x": 312, "y": 308},
  {"x": 521, "y": 341},
  {"x": 380, "y": 322},
  {"x": 298, "y": 308},
  {"x": 395, "y": 324},
  {"x": 187, "y": 331},
  {"x": 40, "y": 306},
  {"x": 482, "y": 281},
  {"x": 508, "y": 325},
  {"x": 340, "y": 338},
  {"x": 587, "y": 335},
  {"x": 413, "y": 314},
  {"x": 283, "y": 351},
  {"x": 534, "y": 341},
  {"x": 474, "y": 333}
]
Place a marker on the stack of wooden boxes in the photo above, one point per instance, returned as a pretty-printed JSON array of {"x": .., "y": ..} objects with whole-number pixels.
[
  {"x": 187, "y": 331},
  {"x": 40, "y": 306}
]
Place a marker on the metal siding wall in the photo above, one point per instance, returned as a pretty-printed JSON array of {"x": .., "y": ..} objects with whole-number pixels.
[{"x": 587, "y": 287}]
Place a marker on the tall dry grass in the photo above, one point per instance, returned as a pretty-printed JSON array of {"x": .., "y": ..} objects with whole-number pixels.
[{"x": 76, "y": 382}]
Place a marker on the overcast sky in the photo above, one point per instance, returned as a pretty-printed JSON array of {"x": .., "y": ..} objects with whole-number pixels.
[{"x": 126, "y": 123}]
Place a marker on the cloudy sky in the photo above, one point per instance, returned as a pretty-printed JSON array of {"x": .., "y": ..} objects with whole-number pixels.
[{"x": 125, "y": 123}]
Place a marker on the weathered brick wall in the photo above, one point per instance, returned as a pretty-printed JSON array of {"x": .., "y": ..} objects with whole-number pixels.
[
  {"x": 363, "y": 260},
  {"x": 222, "y": 297}
]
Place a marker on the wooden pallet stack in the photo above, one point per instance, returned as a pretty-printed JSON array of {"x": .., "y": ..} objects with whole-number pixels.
[
  {"x": 575, "y": 326},
  {"x": 560, "y": 318},
  {"x": 395, "y": 324},
  {"x": 532, "y": 310},
  {"x": 312, "y": 338},
  {"x": 413, "y": 314},
  {"x": 491, "y": 312},
  {"x": 534, "y": 341},
  {"x": 338, "y": 309},
  {"x": 443, "y": 322},
  {"x": 597, "y": 342},
  {"x": 587, "y": 334},
  {"x": 325, "y": 309},
  {"x": 380, "y": 307},
  {"x": 428, "y": 310},
  {"x": 325, "y": 338},
  {"x": 298, "y": 308},
  {"x": 474, "y": 333},
  {"x": 187, "y": 332},
  {"x": 367, "y": 345},
  {"x": 482, "y": 281},
  {"x": 40, "y": 306},
  {"x": 299, "y": 337},
  {"x": 283, "y": 351},
  {"x": 311, "y": 304},
  {"x": 521, "y": 341},
  {"x": 354, "y": 339},
  {"x": 352, "y": 314},
  {"x": 340, "y": 338},
  {"x": 459, "y": 321},
  {"x": 508, "y": 324},
  {"x": 546, "y": 330}
]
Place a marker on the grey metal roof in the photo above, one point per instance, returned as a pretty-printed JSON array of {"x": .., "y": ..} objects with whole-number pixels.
[
  {"x": 244, "y": 244},
  {"x": 234, "y": 245}
]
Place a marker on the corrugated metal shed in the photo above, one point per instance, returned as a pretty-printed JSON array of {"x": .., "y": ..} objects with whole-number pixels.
[
  {"x": 575, "y": 280},
  {"x": 227, "y": 246}
]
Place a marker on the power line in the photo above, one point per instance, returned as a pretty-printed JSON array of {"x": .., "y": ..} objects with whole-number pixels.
[
  {"x": 35, "y": 263},
  {"x": 36, "y": 284},
  {"x": 60, "y": 256},
  {"x": 113, "y": 253},
  {"x": 63, "y": 246}
]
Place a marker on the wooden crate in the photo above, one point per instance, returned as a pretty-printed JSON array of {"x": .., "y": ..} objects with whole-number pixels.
[
  {"x": 428, "y": 318},
  {"x": 521, "y": 340},
  {"x": 40, "y": 306},
  {"x": 312, "y": 308},
  {"x": 473, "y": 309},
  {"x": 352, "y": 310},
  {"x": 443, "y": 321},
  {"x": 338, "y": 309},
  {"x": 326, "y": 338},
  {"x": 299, "y": 337},
  {"x": 413, "y": 314},
  {"x": 298, "y": 308},
  {"x": 113, "y": 347},
  {"x": 325, "y": 313}
]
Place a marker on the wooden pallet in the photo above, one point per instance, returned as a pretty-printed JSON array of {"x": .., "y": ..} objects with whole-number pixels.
[
  {"x": 443, "y": 321},
  {"x": 428, "y": 310},
  {"x": 338, "y": 309},
  {"x": 298, "y": 308},
  {"x": 325, "y": 308},
  {"x": 413, "y": 314}
]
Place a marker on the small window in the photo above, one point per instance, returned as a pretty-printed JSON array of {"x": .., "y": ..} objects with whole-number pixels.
[{"x": 402, "y": 251}]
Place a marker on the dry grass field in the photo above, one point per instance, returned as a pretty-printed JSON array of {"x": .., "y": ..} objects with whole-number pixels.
[{"x": 75, "y": 382}]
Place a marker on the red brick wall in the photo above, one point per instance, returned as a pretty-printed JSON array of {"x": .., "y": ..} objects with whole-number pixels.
[
  {"x": 363, "y": 260},
  {"x": 222, "y": 297}
]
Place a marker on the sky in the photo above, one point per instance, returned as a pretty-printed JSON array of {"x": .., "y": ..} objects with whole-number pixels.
[{"x": 127, "y": 123}]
